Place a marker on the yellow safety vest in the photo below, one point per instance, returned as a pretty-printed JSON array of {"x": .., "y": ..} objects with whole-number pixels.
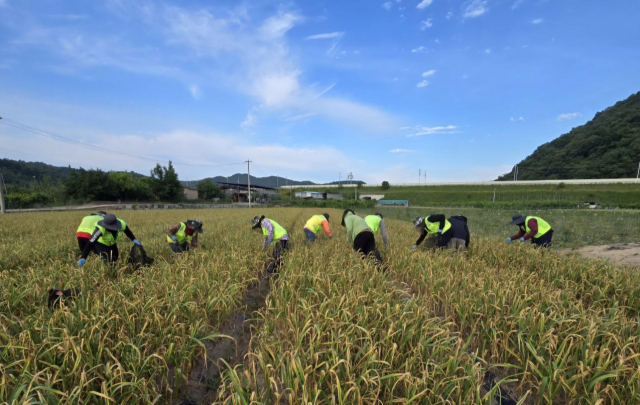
[
  {"x": 278, "y": 231},
  {"x": 314, "y": 224},
  {"x": 107, "y": 238},
  {"x": 88, "y": 224},
  {"x": 373, "y": 221},
  {"x": 181, "y": 235},
  {"x": 432, "y": 227},
  {"x": 543, "y": 226}
]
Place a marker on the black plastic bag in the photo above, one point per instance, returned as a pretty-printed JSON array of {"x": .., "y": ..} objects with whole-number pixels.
[
  {"x": 57, "y": 297},
  {"x": 138, "y": 257}
]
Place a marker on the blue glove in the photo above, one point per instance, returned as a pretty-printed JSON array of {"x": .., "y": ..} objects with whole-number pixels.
[
  {"x": 81, "y": 262},
  {"x": 173, "y": 238},
  {"x": 509, "y": 240},
  {"x": 137, "y": 242},
  {"x": 414, "y": 247},
  {"x": 439, "y": 230},
  {"x": 522, "y": 239}
]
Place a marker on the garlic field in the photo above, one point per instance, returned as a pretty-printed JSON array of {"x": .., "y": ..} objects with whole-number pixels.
[{"x": 500, "y": 323}]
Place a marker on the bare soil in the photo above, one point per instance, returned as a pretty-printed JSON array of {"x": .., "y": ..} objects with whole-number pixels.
[{"x": 620, "y": 254}]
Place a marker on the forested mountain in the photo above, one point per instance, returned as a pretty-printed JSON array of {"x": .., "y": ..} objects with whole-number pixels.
[
  {"x": 241, "y": 178},
  {"x": 608, "y": 146},
  {"x": 22, "y": 173}
]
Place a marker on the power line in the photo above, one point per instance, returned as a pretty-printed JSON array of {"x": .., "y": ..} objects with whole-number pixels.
[{"x": 50, "y": 135}]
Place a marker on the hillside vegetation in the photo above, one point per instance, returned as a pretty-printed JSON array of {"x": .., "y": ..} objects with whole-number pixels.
[{"x": 608, "y": 146}]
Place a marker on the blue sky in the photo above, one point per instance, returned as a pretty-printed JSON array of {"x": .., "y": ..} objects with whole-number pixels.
[{"x": 461, "y": 89}]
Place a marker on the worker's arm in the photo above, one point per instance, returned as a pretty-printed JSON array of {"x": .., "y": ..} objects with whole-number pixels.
[
  {"x": 533, "y": 225},
  {"x": 421, "y": 238},
  {"x": 440, "y": 218},
  {"x": 174, "y": 229},
  {"x": 88, "y": 248},
  {"x": 194, "y": 241},
  {"x": 266, "y": 224},
  {"x": 383, "y": 232},
  {"x": 518, "y": 235},
  {"x": 129, "y": 234},
  {"x": 348, "y": 225},
  {"x": 325, "y": 226}
]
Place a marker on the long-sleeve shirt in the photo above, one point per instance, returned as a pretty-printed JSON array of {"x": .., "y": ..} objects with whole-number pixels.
[
  {"x": 266, "y": 224},
  {"x": 440, "y": 218},
  {"x": 94, "y": 239},
  {"x": 190, "y": 232},
  {"x": 458, "y": 229},
  {"x": 355, "y": 225},
  {"x": 314, "y": 223},
  {"x": 383, "y": 232},
  {"x": 533, "y": 226}
]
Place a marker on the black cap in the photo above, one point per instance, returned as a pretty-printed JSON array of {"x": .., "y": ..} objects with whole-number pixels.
[
  {"x": 110, "y": 223},
  {"x": 195, "y": 224},
  {"x": 518, "y": 219},
  {"x": 326, "y": 216},
  {"x": 379, "y": 214},
  {"x": 256, "y": 221}
]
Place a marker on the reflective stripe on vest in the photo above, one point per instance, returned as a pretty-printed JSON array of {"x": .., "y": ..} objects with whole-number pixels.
[
  {"x": 432, "y": 227},
  {"x": 107, "y": 238},
  {"x": 181, "y": 235},
  {"x": 543, "y": 226},
  {"x": 314, "y": 224},
  {"x": 278, "y": 231},
  {"x": 88, "y": 224},
  {"x": 373, "y": 221}
]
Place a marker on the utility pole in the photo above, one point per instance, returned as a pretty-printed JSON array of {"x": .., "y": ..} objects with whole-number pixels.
[
  {"x": 638, "y": 175},
  {"x": 419, "y": 175},
  {"x": 340, "y": 177},
  {"x": 494, "y": 195},
  {"x": 249, "y": 180},
  {"x": 2, "y": 207}
]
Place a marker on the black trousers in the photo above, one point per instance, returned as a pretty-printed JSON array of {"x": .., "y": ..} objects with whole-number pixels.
[
  {"x": 278, "y": 251},
  {"x": 543, "y": 241},
  {"x": 108, "y": 254},
  {"x": 365, "y": 243}
]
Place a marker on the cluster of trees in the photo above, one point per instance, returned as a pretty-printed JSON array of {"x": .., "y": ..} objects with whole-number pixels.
[
  {"x": 97, "y": 185},
  {"x": 608, "y": 146}
]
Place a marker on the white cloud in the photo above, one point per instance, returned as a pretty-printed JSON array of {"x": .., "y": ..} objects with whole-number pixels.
[
  {"x": 195, "y": 91},
  {"x": 474, "y": 8},
  {"x": 511, "y": 119},
  {"x": 401, "y": 151},
  {"x": 449, "y": 15},
  {"x": 428, "y": 23},
  {"x": 420, "y": 131},
  {"x": 424, "y": 4},
  {"x": 327, "y": 35},
  {"x": 437, "y": 41},
  {"x": 418, "y": 49},
  {"x": 517, "y": 4},
  {"x": 429, "y": 73},
  {"x": 537, "y": 21},
  {"x": 3, "y": 3},
  {"x": 421, "y": 84},
  {"x": 387, "y": 5},
  {"x": 568, "y": 116},
  {"x": 521, "y": 119},
  {"x": 487, "y": 51},
  {"x": 465, "y": 76}
]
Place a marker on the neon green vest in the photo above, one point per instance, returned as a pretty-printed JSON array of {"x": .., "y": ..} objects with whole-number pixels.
[
  {"x": 181, "y": 235},
  {"x": 88, "y": 224},
  {"x": 107, "y": 238},
  {"x": 543, "y": 226},
  {"x": 373, "y": 221},
  {"x": 432, "y": 227},
  {"x": 314, "y": 224},
  {"x": 278, "y": 231}
]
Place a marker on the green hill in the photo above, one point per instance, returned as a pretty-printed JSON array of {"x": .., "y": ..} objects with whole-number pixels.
[{"x": 608, "y": 146}]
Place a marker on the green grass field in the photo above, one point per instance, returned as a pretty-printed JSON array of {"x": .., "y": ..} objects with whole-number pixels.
[{"x": 542, "y": 196}]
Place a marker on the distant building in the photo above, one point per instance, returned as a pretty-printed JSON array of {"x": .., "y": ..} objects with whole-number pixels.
[
  {"x": 371, "y": 197},
  {"x": 393, "y": 203},
  {"x": 314, "y": 195},
  {"x": 240, "y": 192},
  {"x": 190, "y": 193}
]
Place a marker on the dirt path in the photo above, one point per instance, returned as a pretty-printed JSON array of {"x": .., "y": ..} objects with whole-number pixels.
[{"x": 620, "y": 254}]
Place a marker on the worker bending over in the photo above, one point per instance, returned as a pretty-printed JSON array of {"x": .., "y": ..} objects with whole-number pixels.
[
  {"x": 184, "y": 235},
  {"x": 362, "y": 236},
  {"x": 452, "y": 233},
  {"x": 87, "y": 225},
  {"x": 104, "y": 239},
  {"x": 534, "y": 228},
  {"x": 376, "y": 222},
  {"x": 273, "y": 234},
  {"x": 313, "y": 226}
]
